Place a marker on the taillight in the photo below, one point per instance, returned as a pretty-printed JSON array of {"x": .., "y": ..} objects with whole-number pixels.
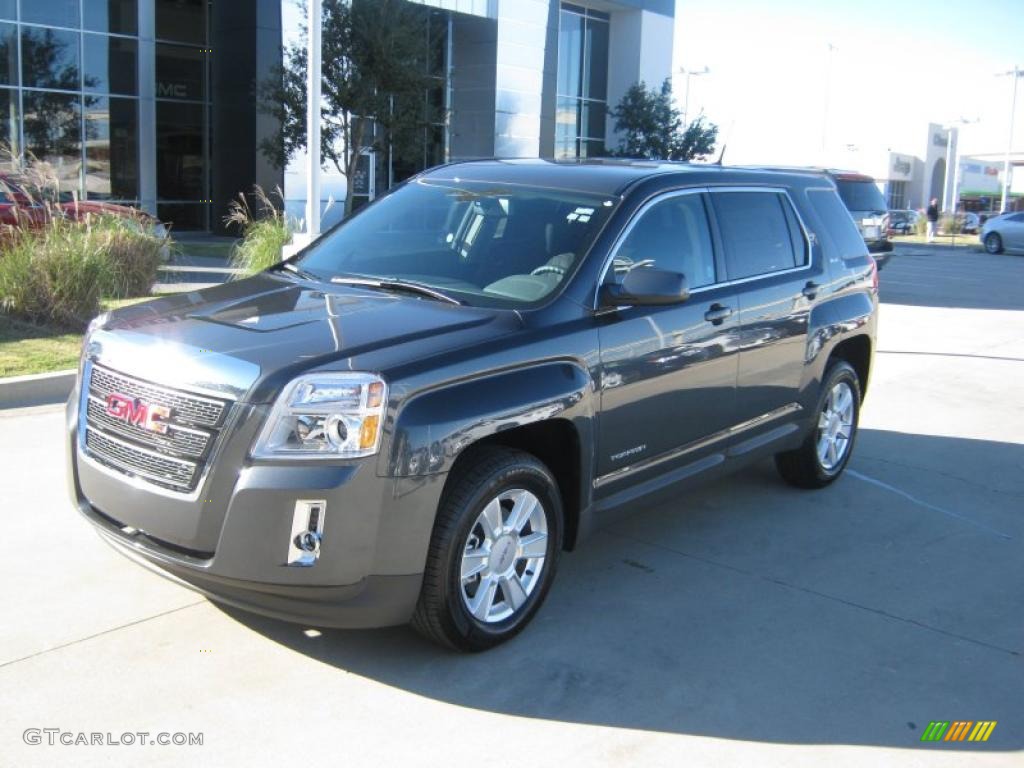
[{"x": 874, "y": 275}]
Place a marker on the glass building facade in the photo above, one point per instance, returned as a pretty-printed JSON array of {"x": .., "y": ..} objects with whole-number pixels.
[
  {"x": 114, "y": 96},
  {"x": 582, "y": 109}
]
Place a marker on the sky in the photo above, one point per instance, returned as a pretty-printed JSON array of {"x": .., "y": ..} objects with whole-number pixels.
[{"x": 895, "y": 67}]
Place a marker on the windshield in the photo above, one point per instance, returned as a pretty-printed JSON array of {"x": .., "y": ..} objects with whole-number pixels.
[
  {"x": 485, "y": 244},
  {"x": 861, "y": 196}
]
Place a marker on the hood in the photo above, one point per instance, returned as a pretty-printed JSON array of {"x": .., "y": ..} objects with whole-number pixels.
[{"x": 266, "y": 329}]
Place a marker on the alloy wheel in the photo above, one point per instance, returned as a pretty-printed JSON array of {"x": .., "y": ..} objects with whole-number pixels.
[
  {"x": 835, "y": 426},
  {"x": 503, "y": 556}
]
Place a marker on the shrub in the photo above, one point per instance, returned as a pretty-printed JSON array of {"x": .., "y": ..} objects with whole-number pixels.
[
  {"x": 56, "y": 276},
  {"x": 59, "y": 273},
  {"x": 134, "y": 251},
  {"x": 921, "y": 225},
  {"x": 950, "y": 225},
  {"x": 264, "y": 233}
]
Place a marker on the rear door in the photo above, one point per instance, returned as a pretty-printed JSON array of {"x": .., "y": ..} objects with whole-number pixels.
[{"x": 768, "y": 258}]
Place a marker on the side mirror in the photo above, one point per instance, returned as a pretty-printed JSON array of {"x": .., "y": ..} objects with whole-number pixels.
[{"x": 646, "y": 286}]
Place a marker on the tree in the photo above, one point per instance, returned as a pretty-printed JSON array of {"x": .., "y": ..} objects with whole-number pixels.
[
  {"x": 375, "y": 77},
  {"x": 651, "y": 127}
]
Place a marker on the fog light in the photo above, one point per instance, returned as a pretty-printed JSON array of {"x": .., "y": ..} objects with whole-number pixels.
[{"x": 307, "y": 532}]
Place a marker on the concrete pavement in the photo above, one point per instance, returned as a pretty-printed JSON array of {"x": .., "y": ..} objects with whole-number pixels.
[{"x": 747, "y": 623}]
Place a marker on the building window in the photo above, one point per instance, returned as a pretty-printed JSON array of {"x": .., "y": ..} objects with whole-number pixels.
[
  {"x": 58, "y": 13},
  {"x": 117, "y": 16},
  {"x": 183, "y": 113},
  {"x": 53, "y": 131},
  {"x": 582, "y": 106},
  {"x": 897, "y": 195},
  {"x": 111, "y": 148},
  {"x": 49, "y": 58}
]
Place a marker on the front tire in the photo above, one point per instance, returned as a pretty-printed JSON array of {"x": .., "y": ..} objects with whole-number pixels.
[
  {"x": 493, "y": 553},
  {"x": 824, "y": 454},
  {"x": 993, "y": 243}
]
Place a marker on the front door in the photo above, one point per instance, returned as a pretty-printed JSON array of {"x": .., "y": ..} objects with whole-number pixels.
[{"x": 667, "y": 374}]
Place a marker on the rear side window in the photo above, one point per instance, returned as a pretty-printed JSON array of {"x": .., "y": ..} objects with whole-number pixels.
[
  {"x": 760, "y": 233},
  {"x": 840, "y": 230}
]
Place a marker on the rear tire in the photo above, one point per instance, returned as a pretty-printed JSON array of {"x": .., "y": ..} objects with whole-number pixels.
[
  {"x": 493, "y": 553},
  {"x": 993, "y": 243},
  {"x": 825, "y": 453}
]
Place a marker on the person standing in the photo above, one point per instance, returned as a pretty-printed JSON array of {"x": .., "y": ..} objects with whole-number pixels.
[{"x": 933, "y": 218}]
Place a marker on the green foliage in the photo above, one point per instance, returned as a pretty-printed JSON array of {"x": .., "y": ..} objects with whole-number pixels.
[
  {"x": 921, "y": 225},
  {"x": 264, "y": 233},
  {"x": 376, "y": 61},
  {"x": 651, "y": 127},
  {"x": 951, "y": 225}
]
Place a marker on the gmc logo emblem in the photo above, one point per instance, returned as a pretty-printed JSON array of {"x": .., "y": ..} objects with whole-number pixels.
[{"x": 134, "y": 411}]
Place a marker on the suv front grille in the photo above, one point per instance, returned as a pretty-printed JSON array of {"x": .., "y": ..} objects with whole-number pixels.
[{"x": 174, "y": 459}]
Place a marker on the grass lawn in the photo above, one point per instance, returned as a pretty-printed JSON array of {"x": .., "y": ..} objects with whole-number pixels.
[
  {"x": 26, "y": 348},
  {"x": 960, "y": 241}
]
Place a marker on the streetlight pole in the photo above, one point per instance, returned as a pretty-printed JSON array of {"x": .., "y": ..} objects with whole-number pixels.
[
  {"x": 686, "y": 100},
  {"x": 828, "y": 93},
  {"x": 313, "y": 124},
  {"x": 1016, "y": 73}
]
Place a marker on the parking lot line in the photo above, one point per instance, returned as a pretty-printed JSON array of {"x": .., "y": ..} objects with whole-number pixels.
[{"x": 925, "y": 504}]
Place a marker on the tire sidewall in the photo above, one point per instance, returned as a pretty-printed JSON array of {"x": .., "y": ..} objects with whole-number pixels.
[
  {"x": 533, "y": 477},
  {"x": 841, "y": 372},
  {"x": 996, "y": 242}
]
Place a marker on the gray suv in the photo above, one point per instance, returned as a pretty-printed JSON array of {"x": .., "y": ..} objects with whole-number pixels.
[{"x": 413, "y": 418}]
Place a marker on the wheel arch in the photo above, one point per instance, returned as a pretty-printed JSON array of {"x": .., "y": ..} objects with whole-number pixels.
[{"x": 545, "y": 409}]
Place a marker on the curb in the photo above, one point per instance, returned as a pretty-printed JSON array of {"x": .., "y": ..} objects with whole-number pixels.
[{"x": 36, "y": 389}]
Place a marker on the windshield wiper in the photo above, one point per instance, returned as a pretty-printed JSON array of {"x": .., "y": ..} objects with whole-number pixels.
[
  {"x": 391, "y": 284},
  {"x": 297, "y": 270}
]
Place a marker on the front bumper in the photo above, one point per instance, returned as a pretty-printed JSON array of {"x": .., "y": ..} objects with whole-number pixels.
[{"x": 230, "y": 539}]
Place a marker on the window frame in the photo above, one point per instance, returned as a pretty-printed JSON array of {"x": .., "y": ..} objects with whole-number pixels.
[
  {"x": 807, "y": 235},
  {"x": 641, "y": 211},
  {"x": 721, "y": 267}
]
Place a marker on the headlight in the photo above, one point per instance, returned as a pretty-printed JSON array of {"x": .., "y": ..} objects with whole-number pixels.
[{"x": 321, "y": 415}]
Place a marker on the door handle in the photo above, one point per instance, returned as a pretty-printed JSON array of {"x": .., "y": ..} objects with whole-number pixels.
[
  {"x": 811, "y": 289},
  {"x": 717, "y": 314}
]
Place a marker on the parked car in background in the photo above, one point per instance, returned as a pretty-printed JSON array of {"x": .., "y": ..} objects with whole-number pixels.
[
  {"x": 22, "y": 209},
  {"x": 1003, "y": 233},
  {"x": 864, "y": 201},
  {"x": 903, "y": 222}
]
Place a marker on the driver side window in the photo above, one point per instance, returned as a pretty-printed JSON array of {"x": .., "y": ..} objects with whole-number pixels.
[{"x": 673, "y": 234}]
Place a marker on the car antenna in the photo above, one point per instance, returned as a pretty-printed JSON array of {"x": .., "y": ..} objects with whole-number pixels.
[{"x": 721, "y": 155}]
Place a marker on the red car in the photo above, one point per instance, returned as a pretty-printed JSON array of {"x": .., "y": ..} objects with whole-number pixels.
[{"x": 20, "y": 209}]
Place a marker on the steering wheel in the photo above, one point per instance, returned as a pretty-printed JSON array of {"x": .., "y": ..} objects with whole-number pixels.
[{"x": 546, "y": 269}]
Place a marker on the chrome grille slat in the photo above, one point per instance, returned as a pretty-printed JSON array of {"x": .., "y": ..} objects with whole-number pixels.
[
  {"x": 175, "y": 460},
  {"x": 188, "y": 408},
  {"x": 192, "y": 443},
  {"x": 162, "y": 470}
]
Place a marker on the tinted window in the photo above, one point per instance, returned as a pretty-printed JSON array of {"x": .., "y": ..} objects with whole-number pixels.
[
  {"x": 1018, "y": 218},
  {"x": 111, "y": 16},
  {"x": 861, "y": 195},
  {"x": 61, "y": 13},
  {"x": 109, "y": 64},
  {"x": 839, "y": 228},
  {"x": 673, "y": 235},
  {"x": 756, "y": 233},
  {"x": 49, "y": 58},
  {"x": 488, "y": 244}
]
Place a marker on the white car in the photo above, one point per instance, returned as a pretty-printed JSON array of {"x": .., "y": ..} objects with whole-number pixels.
[{"x": 1004, "y": 232}]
